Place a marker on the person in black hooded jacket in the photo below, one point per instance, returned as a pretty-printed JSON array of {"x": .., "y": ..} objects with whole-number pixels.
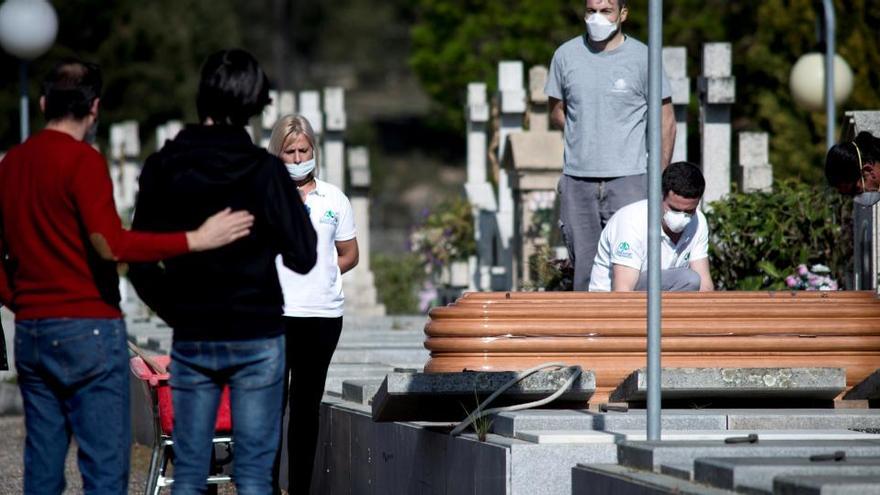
[{"x": 225, "y": 306}]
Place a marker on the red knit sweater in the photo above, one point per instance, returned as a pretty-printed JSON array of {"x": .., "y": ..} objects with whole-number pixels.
[{"x": 55, "y": 195}]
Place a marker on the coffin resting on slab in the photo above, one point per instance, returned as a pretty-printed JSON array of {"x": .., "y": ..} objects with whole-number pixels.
[{"x": 606, "y": 332}]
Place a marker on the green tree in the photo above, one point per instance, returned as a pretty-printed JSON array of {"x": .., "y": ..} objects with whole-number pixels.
[
  {"x": 458, "y": 41},
  {"x": 150, "y": 55}
]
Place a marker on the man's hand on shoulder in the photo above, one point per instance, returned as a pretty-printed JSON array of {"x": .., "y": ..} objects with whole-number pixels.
[{"x": 220, "y": 229}]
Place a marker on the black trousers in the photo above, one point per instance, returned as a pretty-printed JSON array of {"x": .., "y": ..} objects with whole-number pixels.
[{"x": 310, "y": 346}]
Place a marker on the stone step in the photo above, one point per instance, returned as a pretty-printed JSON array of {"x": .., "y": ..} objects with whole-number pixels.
[
  {"x": 620, "y": 480},
  {"x": 361, "y": 391},
  {"x": 651, "y": 455},
  {"x": 803, "y": 419},
  {"x": 825, "y": 485},
  {"x": 449, "y": 396},
  {"x": 572, "y": 436},
  {"x": 756, "y": 474},
  {"x": 407, "y": 357},
  {"x": 510, "y": 423},
  {"x": 743, "y": 384}
]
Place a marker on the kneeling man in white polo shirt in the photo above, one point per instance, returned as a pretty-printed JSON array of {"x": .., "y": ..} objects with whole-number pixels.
[{"x": 621, "y": 263}]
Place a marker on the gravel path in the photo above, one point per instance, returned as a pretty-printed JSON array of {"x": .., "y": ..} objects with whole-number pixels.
[{"x": 12, "y": 470}]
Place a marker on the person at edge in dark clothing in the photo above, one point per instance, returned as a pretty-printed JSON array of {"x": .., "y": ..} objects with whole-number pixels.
[
  {"x": 853, "y": 168},
  {"x": 224, "y": 306},
  {"x": 60, "y": 242}
]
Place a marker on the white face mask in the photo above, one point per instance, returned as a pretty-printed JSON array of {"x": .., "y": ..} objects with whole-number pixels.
[
  {"x": 299, "y": 171},
  {"x": 599, "y": 27},
  {"x": 676, "y": 221}
]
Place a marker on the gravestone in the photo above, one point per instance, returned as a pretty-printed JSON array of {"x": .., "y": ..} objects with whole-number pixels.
[
  {"x": 310, "y": 108},
  {"x": 359, "y": 284},
  {"x": 271, "y": 113},
  {"x": 125, "y": 148},
  {"x": 533, "y": 160},
  {"x": 286, "y": 103},
  {"x": 334, "y": 136},
  {"x": 480, "y": 193},
  {"x": 512, "y": 96},
  {"x": 675, "y": 67},
  {"x": 754, "y": 173},
  {"x": 717, "y": 90},
  {"x": 167, "y": 132}
]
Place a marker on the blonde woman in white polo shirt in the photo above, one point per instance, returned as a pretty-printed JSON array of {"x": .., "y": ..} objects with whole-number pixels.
[{"x": 312, "y": 302}]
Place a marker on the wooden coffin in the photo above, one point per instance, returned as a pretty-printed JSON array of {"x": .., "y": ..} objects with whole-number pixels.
[{"x": 606, "y": 332}]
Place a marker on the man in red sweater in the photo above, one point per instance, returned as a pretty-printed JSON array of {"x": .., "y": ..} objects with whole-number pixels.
[{"x": 60, "y": 241}]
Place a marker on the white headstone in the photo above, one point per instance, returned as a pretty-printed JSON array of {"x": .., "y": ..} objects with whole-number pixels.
[
  {"x": 717, "y": 93},
  {"x": 754, "y": 172},
  {"x": 334, "y": 144},
  {"x": 539, "y": 118},
  {"x": 287, "y": 103},
  {"x": 675, "y": 67},
  {"x": 513, "y": 106},
  {"x": 358, "y": 284},
  {"x": 310, "y": 108}
]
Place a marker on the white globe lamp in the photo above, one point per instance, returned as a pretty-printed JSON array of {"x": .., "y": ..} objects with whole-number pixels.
[
  {"x": 807, "y": 81},
  {"x": 27, "y": 30}
]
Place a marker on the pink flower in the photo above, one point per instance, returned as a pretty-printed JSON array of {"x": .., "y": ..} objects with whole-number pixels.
[
  {"x": 802, "y": 270},
  {"x": 791, "y": 281}
]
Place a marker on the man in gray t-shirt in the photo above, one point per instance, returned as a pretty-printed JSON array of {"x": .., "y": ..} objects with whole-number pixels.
[{"x": 598, "y": 89}]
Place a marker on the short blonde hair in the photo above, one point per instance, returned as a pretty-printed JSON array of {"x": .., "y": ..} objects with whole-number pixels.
[{"x": 291, "y": 125}]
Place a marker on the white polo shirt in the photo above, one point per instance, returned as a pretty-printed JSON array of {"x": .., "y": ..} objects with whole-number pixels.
[
  {"x": 624, "y": 241},
  {"x": 319, "y": 292}
]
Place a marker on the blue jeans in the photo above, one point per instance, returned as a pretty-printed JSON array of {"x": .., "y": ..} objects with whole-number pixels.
[
  {"x": 585, "y": 205},
  {"x": 73, "y": 375},
  {"x": 254, "y": 370}
]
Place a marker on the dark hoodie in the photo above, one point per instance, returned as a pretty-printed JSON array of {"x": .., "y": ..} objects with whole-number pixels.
[{"x": 233, "y": 292}]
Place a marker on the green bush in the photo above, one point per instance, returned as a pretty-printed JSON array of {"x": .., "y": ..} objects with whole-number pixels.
[
  {"x": 445, "y": 235},
  {"x": 398, "y": 280},
  {"x": 756, "y": 239}
]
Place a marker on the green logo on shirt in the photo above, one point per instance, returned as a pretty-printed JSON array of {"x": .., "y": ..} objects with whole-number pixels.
[
  {"x": 623, "y": 250},
  {"x": 330, "y": 217}
]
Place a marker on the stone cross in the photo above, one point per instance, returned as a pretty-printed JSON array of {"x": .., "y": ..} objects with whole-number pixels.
[
  {"x": 269, "y": 117},
  {"x": 754, "y": 172},
  {"x": 539, "y": 117},
  {"x": 533, "y": 160},
  {"x": 167, "y": 132},
  {"x": 286, "y": 103},
  {"x": 125, "y": 147},
  {"x": 717, "y": 88},
  {"x": 675, "y": 66},
  {"x": 479, "y": 190},
  {"x": 310, "y": 108},
  {"x": 512, "y": 95},
  {"x": 359, "y": 284},
  {"x": 334, "y": 142}
]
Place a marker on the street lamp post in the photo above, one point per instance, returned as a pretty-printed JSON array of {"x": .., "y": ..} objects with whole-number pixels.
[
  {"x": 27, "y": 30},
  {"x": 823, "y": 81}
]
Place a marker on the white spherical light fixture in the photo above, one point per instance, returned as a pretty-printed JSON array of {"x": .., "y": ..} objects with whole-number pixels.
[
  {"x": 27, "y": 27},
  {"x": 807, "y": 81}
]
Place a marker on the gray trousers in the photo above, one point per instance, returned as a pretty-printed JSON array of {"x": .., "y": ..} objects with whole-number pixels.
[
  {"x": 675, "y": 279},
  {"x": 586, "y": 204}
]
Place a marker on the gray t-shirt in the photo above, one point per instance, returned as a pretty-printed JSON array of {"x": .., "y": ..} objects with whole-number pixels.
[{"x": 606, "y": 107}]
